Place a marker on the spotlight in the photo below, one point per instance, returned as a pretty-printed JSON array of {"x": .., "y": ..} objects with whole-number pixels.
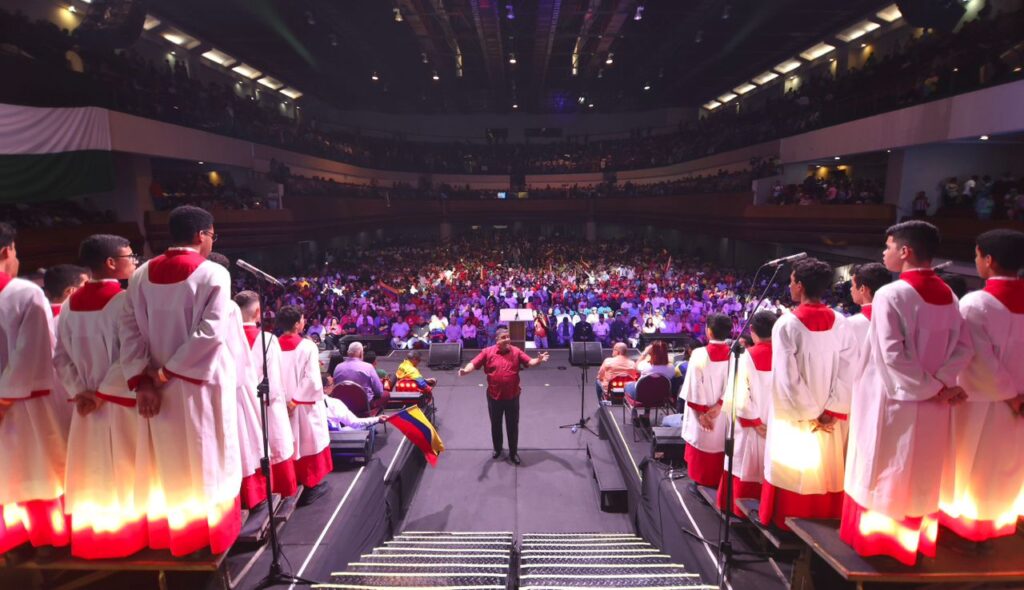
[
  {"x": 515, "y": 106},
  {"x": 590, "y": 106},
  {"x": 581, "y": 100},
  {"x": 836, "y": 158},
  {"x": 435, "y": 76},
  {"x": 647, "y": 87},
  {"x": 600, "y": 73},
  {"x": 639, "y": 14},
  {"x": 512, "y": 58},
  {"x": 610, "y": 59},
  {"x": 983, "y": 138},
  {"x": 575, "y": 71},
  {"x": 398, "y": 14},
  {"x": 423, "y": 58},
  {"x": 374, "y": 76},
  {"x": 510, "y": 12}
]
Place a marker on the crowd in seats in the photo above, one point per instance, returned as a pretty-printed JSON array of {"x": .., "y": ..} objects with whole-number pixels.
[
  {"x": 415, "y": 295},
  {"x": 836, "y": 190},
  {"x": 209, "y": 190},
  {"x": 981, "y": 196},
  {"x": 934, "y": 65},
  {"x": 54, "y": 214}
]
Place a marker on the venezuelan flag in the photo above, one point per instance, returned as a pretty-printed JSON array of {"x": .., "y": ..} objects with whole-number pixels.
[
  {"x": 388, "y": 289},
  {"x": 415, "y": 426}
]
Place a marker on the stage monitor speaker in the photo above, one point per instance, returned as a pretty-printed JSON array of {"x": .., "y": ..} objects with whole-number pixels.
[
  {"x": 667, "y": 445},
  {"x": 445, "y": 354},
  {"x": 588, "y": 353},
  {"x": 941, "y": 15},
  {"x": 378, "y": 344}
]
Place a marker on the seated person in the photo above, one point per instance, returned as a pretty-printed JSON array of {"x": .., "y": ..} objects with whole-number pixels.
[
  {"x": 358, "y": 371},
  {"x": 653, "y": 361},
  {"x": 408, "y": 370},
  {"x": 385, "y": 378},
  {"x": 617, "y": 365},
  {"x": 339, "y": 417}
]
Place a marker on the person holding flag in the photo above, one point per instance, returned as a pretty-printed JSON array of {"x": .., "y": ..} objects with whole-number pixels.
[{"x": 418, "y": 429}]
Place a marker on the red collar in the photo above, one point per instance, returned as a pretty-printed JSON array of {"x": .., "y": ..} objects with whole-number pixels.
[
  {"x": 174, "y": 266},
  {"x": 55, "y": 309},
  {"x": 761, "y": 354},
  {"x": 928, "y": 285},
  {"x": 718, "y": 352},
  {"x": 1009, "y": 292},
  {"x": 252, "y": 331},
  {"x": 865, "y": 310},
  {"x": 816, "y": 317},
  {"x": 289, "y": 342},
  {"x": 4, "y": 279},
  {"x": 93, "y": 296}
]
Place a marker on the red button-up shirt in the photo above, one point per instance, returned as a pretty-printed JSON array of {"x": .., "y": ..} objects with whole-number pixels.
[{"x": 502, "y": 370}]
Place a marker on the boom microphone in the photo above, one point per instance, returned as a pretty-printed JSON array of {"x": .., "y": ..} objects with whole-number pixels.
[
  {"x": 943, "y": 266},
  {"x": 257, "y": 272},
  {"x": 786, "y": 259}
]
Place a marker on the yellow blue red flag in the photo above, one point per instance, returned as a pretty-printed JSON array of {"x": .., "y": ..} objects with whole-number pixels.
[{"x": 420, "y": 432}]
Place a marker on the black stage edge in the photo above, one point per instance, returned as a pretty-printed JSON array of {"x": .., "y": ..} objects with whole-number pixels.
[{"x": 400, "y": 482}]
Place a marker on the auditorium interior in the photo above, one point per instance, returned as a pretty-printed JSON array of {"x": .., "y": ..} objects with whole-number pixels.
[{"x": 406, "y": 173}]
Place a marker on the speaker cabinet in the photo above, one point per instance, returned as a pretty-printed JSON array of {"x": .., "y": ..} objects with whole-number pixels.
[{"x": 445, "y": 354}]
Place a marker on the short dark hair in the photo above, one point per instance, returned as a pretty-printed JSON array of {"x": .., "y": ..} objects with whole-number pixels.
[
  {"x": 246, "y": 299},
  {"x": 1005, "y": 246},
  {"x": 94, "y": 251},
  {"x": 60, "y": 277},
  {"x": 872, "y": 275},
  {"x": 7, "y": 234},
  {"x": 369, "y": 355},
  {"x": 720, "y": 325},
  {"x": 287, "y": 317},
  {"x": 186, "y": 221},
  {"x": 815, "y": 275},
  {"x": 920, "y": 236},
  {"x": 762, "y": 322},
  {"x": 220, "y": 259}
]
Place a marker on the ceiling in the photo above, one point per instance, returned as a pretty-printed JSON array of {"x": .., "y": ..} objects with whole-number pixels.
[{"x": 683, "y": 51}]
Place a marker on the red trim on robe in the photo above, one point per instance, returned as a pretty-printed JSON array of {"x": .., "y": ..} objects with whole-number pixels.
[
  {"x": 173, "y": 266},
  {"x": 55, "y": 309},
  {"x": 718, "y": 352},
  {"x": 172, "y": 375},
  {"x": 880, "y": 543},
  {"x": 251, "y": 333},
  {"x": 836, "y": 415},
  {"x": 311, "y": 469},
  {"x": 282, "y": 478},
  {"x": 289, "y": 342},
  {"x": 777, "y": 504},
  {"x": 703, "y": 409},
  {"x": 865, "y": 310},
  {"x": 1008, "y": 292},
  {"x": 740, "y": 489},
  {"x": 93, "y": 296},
  {"x": 130, "y": 538},
  {"x": 4, "y": 279},
  {"x": 254, "y": 489},
  {"x": 136, "y": 381},
  {"x": 121, "y": 401},
  {"x": 44, "y": 525},
  {"x": 31, "y": 395},
  {"x": 761, "y": 355},
  {"x": 928, "y": 285},
  {"x": 702, "y": 467},
  {"x": 816, "y": 317},
  {"x": 976, "y": 530},
  {"x": 748, "y": 423},
  {"x": 199, "y": 534}
]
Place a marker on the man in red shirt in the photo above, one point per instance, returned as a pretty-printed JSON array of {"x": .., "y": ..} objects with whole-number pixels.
[{"x": 501, "y": 363}]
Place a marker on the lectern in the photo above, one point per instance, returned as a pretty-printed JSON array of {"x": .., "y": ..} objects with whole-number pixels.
[{"x": 517, "y": 320}]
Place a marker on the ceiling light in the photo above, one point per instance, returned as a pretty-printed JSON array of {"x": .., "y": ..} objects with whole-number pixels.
[
  {"x": 374, "y": 76},
  {"x": 398, "y": 14},
  {"x": 787, "y": 66},
  {"x": 72, "y": 9},
  {"x": 424, "y": 58},
  {"x": 836, "y": 158},
  {"x": 581, "y": 100},
  {"x": 219, "y": 57},
  {"x": 270, "y": 83},
  {"x": 610, "y": 59},
  {"x": 888, "y": 151},
  {"x": 512, "y": 58},
  {"x": 744, "y": 88},
  {"x": 600, "y": 73},
  {"x": 983, "y": 138},
  {"x": 291, "y": 93},
  {"x": 726, "y": 97},
  {"x": 863, "y": 45},
  {"x": 435, "y": 77},
  {"x": 712, "y": 105},
  {"x": 647, "y": 86},
  {"x": 150, "y": 23},
  {"x": 817, "y": 51},
  {"x": 858, "y": 30},
  {"x": 590, "y": 106},
  {"x": 180, "y": 39},
  {"x": 510, "y": 12},
  {"x": 247, "y": 71},
  {"x": 890, "y": 13},
  {"x": 639, "y": 14},
  {"x": 764, "y": 78},
  {"x": 575, "y": 71},
  {"x": 515, "y": 106}
]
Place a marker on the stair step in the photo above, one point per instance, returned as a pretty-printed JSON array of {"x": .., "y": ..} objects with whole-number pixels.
[
  {"x": 542, "y": 560},
  {"x": 419, "y": 579},
  {"x": 427, "y": 558},
  {"x": 415, "y": 566},
  {"x": 646, "y": 569},
  {"x": 609, "y": 580}
]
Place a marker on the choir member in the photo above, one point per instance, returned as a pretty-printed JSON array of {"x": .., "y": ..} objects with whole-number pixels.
[
  {"x": 32, "y": 442},
  {"x": 864, "y": 283},
  {"x": 281, "y": 440},
  {"x": 753, "y": 396},
  {"x": 901, "y": 428},
  {"x": 703, "y": 390},
  {"x": 106, "y": 522},
  {"x": 811, "y": 382},
  {"x": 300, "y": 372},
  {"x": 985, "y": 500},
  {"x": 175, "y": 354},
  {"x": 60, "y": 281}
]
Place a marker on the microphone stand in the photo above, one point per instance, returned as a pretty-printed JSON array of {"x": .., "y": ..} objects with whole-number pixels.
[
  {"x": 582, "y": 423},
  {"x": 277, "y": 575},
  {"x": 725, "y": 550}
]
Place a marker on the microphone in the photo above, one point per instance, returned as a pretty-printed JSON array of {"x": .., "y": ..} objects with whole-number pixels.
[
  {"x": 786, "y": 259},
  {"x": 257, "y": 272},
  {"x": 943, "y": 266}
]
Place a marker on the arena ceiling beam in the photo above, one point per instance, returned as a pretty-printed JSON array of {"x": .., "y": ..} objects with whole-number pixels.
[
  {"x": 547, "y": 25},
  {"x": 487, "y": 21}
]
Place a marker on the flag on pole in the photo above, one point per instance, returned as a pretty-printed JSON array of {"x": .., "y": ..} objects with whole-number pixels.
[{"x": 420, "y": 432}]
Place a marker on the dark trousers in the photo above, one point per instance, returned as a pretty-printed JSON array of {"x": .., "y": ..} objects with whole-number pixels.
[{"x": 509, "y": 408}]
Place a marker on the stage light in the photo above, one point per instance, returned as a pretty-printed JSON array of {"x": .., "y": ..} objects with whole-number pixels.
[
  {"x": 610, "y": 59},
  {"x": 510, "y": 12},
  {"x": 647, "y": 86},
  {"x": 515, "y": 106},
  {"x": 712, "y": 105},
  {"x": 435, "y": 77},
  {"x": 581, "y": 100},
  {"x": 590, "y": 106},
  {"x": 983, "y": 138},
  {"x": 512, "y": 58},
  {"x": 180, "y": 39},
  {"x": 423, "y": 58},
  {"x": 398, "y": 14},
  {"x": 200, "y": 162},
  {"x": 863, "y": 45},
  {"x": 726, "y": 97},
  {"x": 575, "y": 71},
  {"x": 639, "y": 14},
  {"x": 836, "y": 158},
  {"x": 888, "y": 151},
  {"x": 374, "y": 76}
]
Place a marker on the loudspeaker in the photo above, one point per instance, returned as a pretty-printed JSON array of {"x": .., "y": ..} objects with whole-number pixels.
[
  {"x": 378, "y": 344},
  {"x": 586, "y": 353},
  {"x": 667, "y": 445},
  {"x": 941, "y": 15},
  {"x": 445, "y": 354}
]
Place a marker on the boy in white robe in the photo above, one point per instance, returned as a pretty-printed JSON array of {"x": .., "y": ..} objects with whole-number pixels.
[
  {"x": 300, "y": 372},
  {"x": 811, "y": 381},
  {"x": 865, "y": 281},
  {"x": 754, "y": 396},
  {"x": 175, "y": 354},
  {"x": 100, "y": 477},
  {"x": 60, "y": 281},
  {"x": 988, "y": 429},
  {"x": 281, "y": 441},
  {"x": 901, "y": 428},
  {"x": 32, "y": 441},
  {"x": 703, "y": 390}
]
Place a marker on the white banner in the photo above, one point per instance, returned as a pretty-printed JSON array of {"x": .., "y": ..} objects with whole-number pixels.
[{"x": 34, "y": 130}]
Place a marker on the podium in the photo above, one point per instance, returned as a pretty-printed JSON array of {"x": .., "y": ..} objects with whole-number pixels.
[{"x": 517, "y": 320}]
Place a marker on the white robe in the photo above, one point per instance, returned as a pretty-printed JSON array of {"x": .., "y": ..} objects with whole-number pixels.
[
  {"x": 32, "y": 440},
  {"x": 755, "y": 397},
  {"x": 811, "y": 373},
  {"x": 704, "y": 385},
  {"x": 250, "y": 432},
  {"x": 282, "y": 441},
  {"x": 189, "y": 470},
  {"x": 300, "y": 372},
  {"x": 900, "y": 440},
  {"x": 859, "y": 325},
  {"x": 989, "y": 460},
  {"x": 100, "y": 475}
]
